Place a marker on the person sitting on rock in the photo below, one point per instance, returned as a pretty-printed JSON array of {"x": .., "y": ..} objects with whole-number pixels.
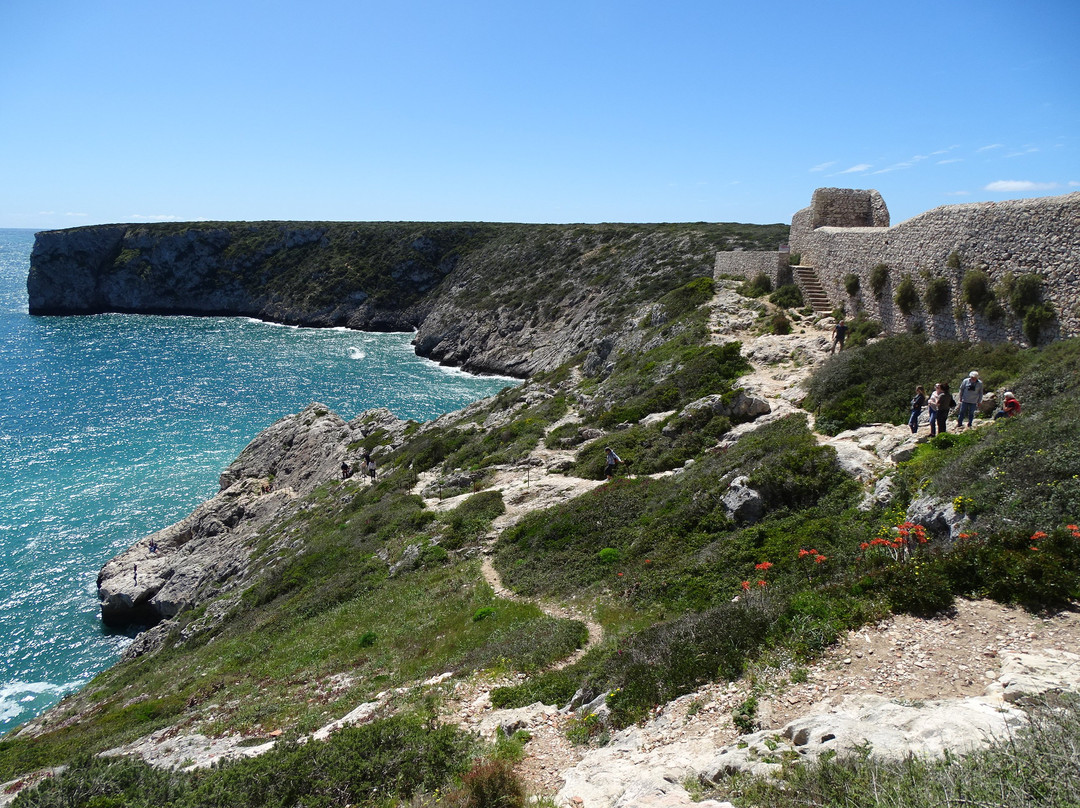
[
  {"x": 346, "y": 470},
  {"x": 1009, "y": 406}
]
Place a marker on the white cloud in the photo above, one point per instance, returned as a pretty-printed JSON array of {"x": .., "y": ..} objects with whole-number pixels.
[
  {"x": 991, "y": 146},
  {"x": 76, "y": 214},
  {"x": 823, "y": 166},
  {"x": 856, "y": 169},
  {"x": 1013, "y": 186},
  {"x": 1074, "y": 184},
  {"x": 958, "y": 193},
  {"x": 950, "y": 160},
  {"x": 1022, "y": 152}
]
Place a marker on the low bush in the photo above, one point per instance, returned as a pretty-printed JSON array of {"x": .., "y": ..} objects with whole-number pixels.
[
  {"x": 937, "y": 295},
  {"x": 976, "y": 290},
  {"x": 779, "y": 323},
  {"x": 787, "y": 296},
  {"x": 879, "y": 279},
  {"x": 851, "y": 284},
  {"x": 907, "y": 296},
  {"x": 758, "y": 286}
]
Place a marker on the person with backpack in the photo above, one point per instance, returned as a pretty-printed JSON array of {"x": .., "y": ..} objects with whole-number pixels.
[
  {"x": 918, "y": 401},
  {"x": 839, "y": 334},
  {"x": 971, "y": 391}
]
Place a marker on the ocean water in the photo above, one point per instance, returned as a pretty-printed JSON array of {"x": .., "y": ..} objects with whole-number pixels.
[{"x": 114, "y": 426}]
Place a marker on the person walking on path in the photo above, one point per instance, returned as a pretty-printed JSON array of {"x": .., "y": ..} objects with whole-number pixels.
[
  {"x": 839, "y": 334},
  {"x": 971, "y": 391},
  {"x": 611, "y": 460},
  {"x": 918, "y": 401}
]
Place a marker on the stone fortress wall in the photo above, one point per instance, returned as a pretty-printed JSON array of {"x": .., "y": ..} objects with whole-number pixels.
[{"x": 846, "y": 231}]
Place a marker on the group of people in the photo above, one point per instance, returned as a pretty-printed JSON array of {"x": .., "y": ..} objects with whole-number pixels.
[
  {"x": 365, "y": 466},
  {"x": 941, "y": 401}
]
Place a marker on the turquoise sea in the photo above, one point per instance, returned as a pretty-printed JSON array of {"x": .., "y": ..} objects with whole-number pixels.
[{"x": 114, "y": 426}]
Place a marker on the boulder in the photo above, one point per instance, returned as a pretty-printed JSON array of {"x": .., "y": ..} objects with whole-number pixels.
[
  {"x": 939, "y": 517},
  {"x": 742, "y": 503}
]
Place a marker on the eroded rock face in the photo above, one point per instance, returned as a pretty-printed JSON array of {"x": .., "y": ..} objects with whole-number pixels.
[{"x": 207, "y": 553}]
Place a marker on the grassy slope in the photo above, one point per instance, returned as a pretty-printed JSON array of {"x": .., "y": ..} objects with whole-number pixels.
[{"x": 658, "y": 559}]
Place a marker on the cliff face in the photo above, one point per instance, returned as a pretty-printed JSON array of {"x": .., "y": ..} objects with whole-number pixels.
[{"x": 489, "y": 297}]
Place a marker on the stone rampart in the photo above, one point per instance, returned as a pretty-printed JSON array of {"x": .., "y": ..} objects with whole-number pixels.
[
  {"x": 749, "y": 264},
  {"x": 1031, "y": 236}
]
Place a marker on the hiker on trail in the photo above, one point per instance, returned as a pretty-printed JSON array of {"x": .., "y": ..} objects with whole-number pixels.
[
  {"x": 612, "y": 460},
  {"x": 941, "y": 401},
  {"x": 346, "y": 470},
  {"x": 971, "y": 391},
  {"x": 917, "y": 403},
  {"x": 369, "y": 464},
  {"x": 839, "y": 334},
  {"x": 1009, "y": 406}
]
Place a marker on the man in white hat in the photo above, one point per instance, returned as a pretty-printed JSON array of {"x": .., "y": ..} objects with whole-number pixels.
[{"x": 971, "y": 391}]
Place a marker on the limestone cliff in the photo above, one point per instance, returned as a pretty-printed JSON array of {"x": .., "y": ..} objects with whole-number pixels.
[{"x": 501, "y": 298}]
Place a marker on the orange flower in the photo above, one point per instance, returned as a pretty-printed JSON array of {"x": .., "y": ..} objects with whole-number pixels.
[
  {"x": 745, "y": 586},
  {"x": 1038, "y": 535},
  {"x": 764, "y": 565},
  {"x": 864, "y": 545},
  {"x": 762, "y": 583},
  {"x": 819, "y": 559}
]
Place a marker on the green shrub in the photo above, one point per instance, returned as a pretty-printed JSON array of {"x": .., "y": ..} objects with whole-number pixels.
[
  {"x": 1024, "y": 292},
  {"x": 937, "y": 295},
  {"x": 861, "y": 331},
  {"x": 851, "y": 284},
  {"x": 993, "y": 310},
  {"x": 367, "y": 639},
  {"x": 907, "y": 296},
  {"x": 920, "y": 588},
  {"x": 879, "y": 279},
  {"x": 787, "y": 296},
  {"x": 687, "y": 297},
  {"x": 492, "y": 784},
  {"x": 609, "y": 555},
  {"x": 1037, "y": 317},
  {"x": 953, "y": 261},
  {"x": 744, "y": 716},
  {"x": 483, "y": 613},
  {"x": 758, "y": 286},
  {"x": 976, "y": 290},
  {"x": 779, "y": 323}
]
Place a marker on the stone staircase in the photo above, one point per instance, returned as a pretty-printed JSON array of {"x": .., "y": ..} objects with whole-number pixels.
[{"x": 813, "y": 291}]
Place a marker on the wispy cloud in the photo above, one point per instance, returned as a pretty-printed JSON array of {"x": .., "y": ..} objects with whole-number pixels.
[
  {"x": 1012, "y": 186},
  {"x": 918, "y": 158},
  {"x": 1022, "y": 152},
  {"x": 950, "y": 160},
  {"x": 823, "y": 166},
  {"x": 857, "y": 168},
  {"x": 1074, "y": 184},
  {"x": 958, "y": 193},
  {"x": 76, "y": 214},
  {"x": 990, "y": 147}
]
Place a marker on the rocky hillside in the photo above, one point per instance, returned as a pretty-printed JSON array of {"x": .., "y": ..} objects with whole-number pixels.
[
  {"x": 501, "y": 298},
  {"x": 651, "y": 634}
]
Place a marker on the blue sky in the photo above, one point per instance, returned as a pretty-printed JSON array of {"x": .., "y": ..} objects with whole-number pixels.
[{"x": 585, "y": 111}]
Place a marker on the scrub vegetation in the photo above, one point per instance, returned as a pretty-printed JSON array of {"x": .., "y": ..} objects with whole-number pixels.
[{"x": 342, "y": 611}]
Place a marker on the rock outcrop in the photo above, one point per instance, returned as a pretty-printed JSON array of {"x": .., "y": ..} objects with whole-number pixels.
[{"x": 208, "y": 552}]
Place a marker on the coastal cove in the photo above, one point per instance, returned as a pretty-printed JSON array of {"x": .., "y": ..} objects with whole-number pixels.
[{"x": 113, "y": 426}]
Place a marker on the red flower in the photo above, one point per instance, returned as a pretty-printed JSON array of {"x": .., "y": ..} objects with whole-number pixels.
[
  {"x": 1072, "y": 527},
  {"x": 745, "y": 586},
  {"x": 1033, "y": 547},
  {"x": 762, "y": 583},
  {"x": 864, "y": 545},
  {"x": 803, "y": 553},
  {"x": 764, "y": 565},
  {"x": 819, "y": 559},
  {"x": 647, "y": 561},
  {"x": 619, "y": 574},
  {"x": 1038, "y": 535}
]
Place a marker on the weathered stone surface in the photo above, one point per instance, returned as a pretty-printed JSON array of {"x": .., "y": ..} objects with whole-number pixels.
[
  {"x": 939, "y": 517},
  {"x": 737, "y": 405},
  {"x": 207, "y": 553},
  {"x": 892, "y": 730},
  {"x": 743, "y": 503}
]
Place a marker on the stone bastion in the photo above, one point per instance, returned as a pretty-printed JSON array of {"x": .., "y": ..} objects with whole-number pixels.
[{"x": 845, "y": 232}]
